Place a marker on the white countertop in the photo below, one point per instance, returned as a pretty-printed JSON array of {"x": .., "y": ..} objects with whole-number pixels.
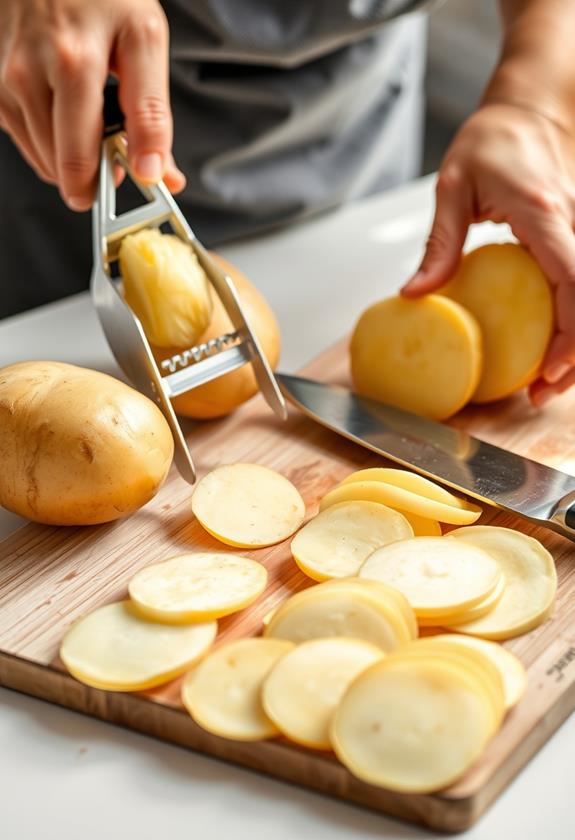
[{"x": 64, "y": 776}]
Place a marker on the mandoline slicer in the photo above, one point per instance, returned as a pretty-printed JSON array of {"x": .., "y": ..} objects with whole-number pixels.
[{"x": 123, "y": 330}]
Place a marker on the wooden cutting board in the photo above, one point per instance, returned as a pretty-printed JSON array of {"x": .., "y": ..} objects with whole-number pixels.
[{"x": 51, "y": 576}]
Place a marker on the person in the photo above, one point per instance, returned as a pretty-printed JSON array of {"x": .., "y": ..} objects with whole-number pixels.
[{"x": 282, "y": 109}]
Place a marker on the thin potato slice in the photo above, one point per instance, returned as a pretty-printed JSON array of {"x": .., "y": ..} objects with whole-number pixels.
[
  {"x": 504, "y": 288},
  {"x": 247, "y": 505},
  {"x": 223, "y": 692},
  {"x": 411, "y": 481},
  {"x": 383, "y": 594},
  {"x": 403, "y": 500},
  {"x": 197, "y": 587},
  {"x": 530, "y": 576},
  {"x": 336, "y": 542},
  {"x": 303, "y": 689},
  {"x": 422, "y": 527},
  {"x": 114, "y": 648},
  {"x": 413, "y": 725},
  {"x": 335, "y": 609},
  {"x": 434, "y": 574},
  {"x": 479, "y": 610},
  {"x": 511, "y": 669},
  {"x": 421, "y": 355}
]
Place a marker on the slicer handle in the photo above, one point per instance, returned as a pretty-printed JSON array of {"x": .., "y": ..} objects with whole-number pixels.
[{"x": 113, "y": 114}]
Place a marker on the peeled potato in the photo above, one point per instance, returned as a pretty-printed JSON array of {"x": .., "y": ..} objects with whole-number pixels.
[
  {"x": 436, "y": 575},
  {"x": 224, "y": 394},
  {"x": 166, "y": 287},
  {"x": 114, "y": 648},
  {"x": 223, "y": 692},
  {"x": 303, "y": 689},
  {"x": 530, "y": 578},
  {"x": 197, "y": 587},
  {"x": 421, "y": 355},
  {"x": 470, "y": 614},
  {"x": 337, "y": 541},
  {"x": 506, "y": 291},
  {"x": 248, "y": 506},
  {"x": 412, "y": 725},
  {"x": 460, "y": 513},
  {"x": 77, "y": 447}
]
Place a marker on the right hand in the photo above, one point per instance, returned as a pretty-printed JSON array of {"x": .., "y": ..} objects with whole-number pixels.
[{"x": 55, "y": 57}]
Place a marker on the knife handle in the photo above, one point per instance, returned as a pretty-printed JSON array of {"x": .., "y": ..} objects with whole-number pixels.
[{"x": 563, "y": 516}]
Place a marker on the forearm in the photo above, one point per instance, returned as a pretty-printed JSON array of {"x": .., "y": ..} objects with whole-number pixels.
[{"x": 536, "y": 67}]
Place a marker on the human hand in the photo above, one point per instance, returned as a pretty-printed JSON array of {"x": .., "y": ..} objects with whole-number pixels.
[
  {"x": 509, "y": 163},
  {"x": 55, "y": 57}
]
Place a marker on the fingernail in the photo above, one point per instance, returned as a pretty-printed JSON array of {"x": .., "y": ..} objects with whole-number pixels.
[
  {"x": 413, "y": 282},
  {"x": 556, "y": 372},
  {"x": 149, "y": 167},
  {"x": 78, "y": 203}
]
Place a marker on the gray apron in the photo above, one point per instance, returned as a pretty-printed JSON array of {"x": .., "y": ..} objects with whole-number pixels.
[{"x": 282, "y": 109}]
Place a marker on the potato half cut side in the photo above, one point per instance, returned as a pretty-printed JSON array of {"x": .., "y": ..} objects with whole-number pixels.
[
  {"x": 403, "y": 500},
  {"x": 421, "y": 355},
  {"x": 412, "y": 725},
  {"x": 197, "y": 587},
  {"x": 434, "y": 574},
  {"x": 247, "y": 505},
  {"x": 336, "y": 542},
  {"x": 114, "y": 648},
  {"x": 530, "y": 581},
  {"x": 223, "y": 692},
  {"x": 328, "y": 610},
  {"x": 303, "y": 689},
  {"x": 479, "y": 610},
  {"x": 511, "y": 669},
  {"x": 504, "y": 288}
]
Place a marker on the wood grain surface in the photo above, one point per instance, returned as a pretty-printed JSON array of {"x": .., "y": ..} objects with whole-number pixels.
[{"x": 51, "y": 576}]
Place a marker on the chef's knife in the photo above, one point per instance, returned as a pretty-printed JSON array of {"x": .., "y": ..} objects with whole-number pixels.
[{"x": 541, "y": 494}]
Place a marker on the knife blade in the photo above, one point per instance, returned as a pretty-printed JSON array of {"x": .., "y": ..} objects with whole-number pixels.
[{"x": 541, "y": 494}]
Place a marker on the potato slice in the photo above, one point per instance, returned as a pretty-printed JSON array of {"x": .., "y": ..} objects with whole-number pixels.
[
  {"x": 247, "y": 505},
  {"x": 433, "y": 573},
  {"x": 479, "y": 610},
  {"x": 382, "y": 593},
  {"x": 413, "y": 725},
  {"x": 336, "y": 609},
  {"x": 197, "y": 587},
  {"x": 223, "y": 692},
  {"x": 504, "y": 288},
  {"x": 511, "y": 669},
  {"x": 421, "y": 525},
  {"x": 114, "y": 648},
  {"x": 464, "y": 513},
  {"x": 337, "y": 541},
  {"x": 531, "y": 581},
  {"x": 421, "y": 355},
  {"x": 411, "y": 481},
  {"x": 304, "y": 688}
]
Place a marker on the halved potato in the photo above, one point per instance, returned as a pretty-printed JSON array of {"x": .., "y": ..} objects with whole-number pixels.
[
  {"x": 197, "y": 587},
  {"x": 247, "y": 505},
  {"x": 303, "y": 689},
  {"x": 223, "y": 692},
  {"x": 336, "y": 542},
  {"x": 114, "y": 648}
]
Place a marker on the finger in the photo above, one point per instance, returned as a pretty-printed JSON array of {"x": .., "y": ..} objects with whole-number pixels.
[
  {"x": 174, "y": 178},
  {"x": 78, "y": 123},
  {"x": 540, "y": 391},
  {"x": 13, "y": 123},
  {"x": 453, "y": 215},
  {"x": 142, "y": 64},
  {"x": 37, "y": 113}
]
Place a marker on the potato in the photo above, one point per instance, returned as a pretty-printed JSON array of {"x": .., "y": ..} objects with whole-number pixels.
[
  {"x": 77, "y": 447},
  {"x": 224, "y": 394}
]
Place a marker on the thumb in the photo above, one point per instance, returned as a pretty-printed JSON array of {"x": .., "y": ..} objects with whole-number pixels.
[{"x": 448, "y": 231}]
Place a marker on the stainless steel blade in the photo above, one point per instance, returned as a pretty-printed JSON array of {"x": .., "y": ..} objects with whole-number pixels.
[{"x": 485, "y": 472}]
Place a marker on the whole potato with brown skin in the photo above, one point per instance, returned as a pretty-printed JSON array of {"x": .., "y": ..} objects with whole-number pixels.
[{"x": 77, "y": 447}]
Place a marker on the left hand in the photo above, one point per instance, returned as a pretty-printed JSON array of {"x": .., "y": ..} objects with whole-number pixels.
[{"x": 512, "y": 164}]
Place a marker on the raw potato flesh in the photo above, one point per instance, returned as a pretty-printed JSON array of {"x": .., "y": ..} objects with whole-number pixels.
[
  {"x": 412, "y": 725},
  {"x": 197, "y": 587},
  {"x": 411, "y": 481},
  {"x": 382, "y": 594},
  {"x": 337, "y": 541},
  {"x": 403, "y": 500},
  {"x": 435, "y": 575},
  {"x": 114, "y": 648},
  {"x": 335, "y": 609},
  {"x": 531, "y": 581},
  {"x": 223, "y": 692},
  {"x": 506, "y": 291},
  {"x": 511, "y": 669},
  {"x": 304, "y": 688},
  {"x": 479, "y": 610},
  {"x": 421, "y": 355},
  {"x": 421, "y": 525},
  {"x": 248, "y": 506}
]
